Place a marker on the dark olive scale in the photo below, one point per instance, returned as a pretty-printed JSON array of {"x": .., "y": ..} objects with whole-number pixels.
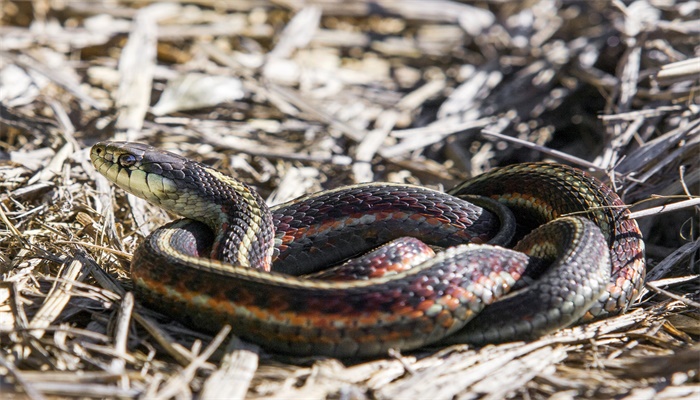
[
  {"x": 357, "y": 218},
  {"x": 391, "y": 258},
  {"x": 561, "y": 190},
  {"x": 541, "y": 192},
  {"x": 515, "y": 317}
]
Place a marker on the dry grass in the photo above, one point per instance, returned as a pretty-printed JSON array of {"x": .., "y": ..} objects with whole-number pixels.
[{"x": 294, "y": 98}]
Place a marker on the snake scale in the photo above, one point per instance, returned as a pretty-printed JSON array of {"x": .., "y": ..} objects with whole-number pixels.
[{"x": 235, "y": 261}]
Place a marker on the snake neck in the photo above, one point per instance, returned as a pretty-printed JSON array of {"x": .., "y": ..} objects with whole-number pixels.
[
  {"x": 238, "y": 216},
  {"x": 235, "y": 212}
]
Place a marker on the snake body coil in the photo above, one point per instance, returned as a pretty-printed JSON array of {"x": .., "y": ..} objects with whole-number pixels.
[{"x": 215, "y": 271}]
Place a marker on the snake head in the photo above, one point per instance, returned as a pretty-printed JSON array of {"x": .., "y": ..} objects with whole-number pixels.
[
  {"x": 165, "y": 179},
  {"x": 183, "y": 187},
  {"x": 142, "y": 170}
]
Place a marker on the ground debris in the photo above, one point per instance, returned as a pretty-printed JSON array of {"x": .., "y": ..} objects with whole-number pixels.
[{"x": 298, "y": 96}]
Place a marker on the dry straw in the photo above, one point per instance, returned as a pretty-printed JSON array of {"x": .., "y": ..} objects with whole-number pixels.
[{"x": 295, "y": 96}]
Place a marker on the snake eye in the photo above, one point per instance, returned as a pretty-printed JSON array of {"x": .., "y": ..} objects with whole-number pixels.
[{"x": 127, "y": 160}]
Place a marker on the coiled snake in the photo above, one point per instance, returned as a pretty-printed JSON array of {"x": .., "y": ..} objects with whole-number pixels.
[{"x": 234, "y": 260}]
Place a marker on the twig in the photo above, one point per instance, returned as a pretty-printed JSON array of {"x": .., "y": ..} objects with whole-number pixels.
[
  {"x": 123, "y": 254},
  {"x": 545, "y": 150},
  {"x": 674, "y": 296},
  {"x": 664, "y": 209}
]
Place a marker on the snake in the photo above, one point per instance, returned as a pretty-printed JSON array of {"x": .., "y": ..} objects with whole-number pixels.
[{"x": 520, "y": 251}]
